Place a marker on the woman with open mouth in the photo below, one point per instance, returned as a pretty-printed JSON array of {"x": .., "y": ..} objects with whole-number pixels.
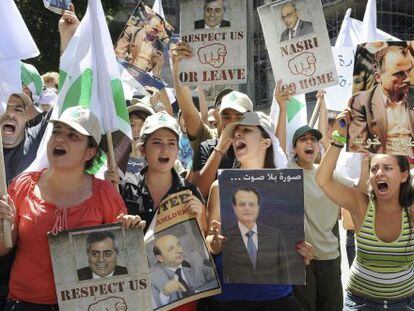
[
  {"x": 255, "y": 147},
  {"x": 382, "y": 274},
  {"x": 63, "y": 196}
]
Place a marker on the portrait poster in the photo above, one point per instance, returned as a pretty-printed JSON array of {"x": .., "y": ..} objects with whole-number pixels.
[
  {"x": 100, "y": 268},
  {"x": 57, "y": 6},
  {"x": 142, "y": 47},
  {"x": 262, "y": 218},
  {"x": 382, "y": 105},
  {"x": 216, "y": 32},
  {"x": 298, "y": 44},
  {"x": 181, "y": 268}
]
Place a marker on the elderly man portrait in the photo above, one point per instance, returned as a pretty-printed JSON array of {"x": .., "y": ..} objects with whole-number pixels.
[
  {"x": 213, "y": 15},
  {"x": 175, "y": 276},
  {"x": 295, "y": 27},
  {"x": 382, "y": 117},
  {"x": 253, "y": 252},
  {"x": 102, "y": 257}
]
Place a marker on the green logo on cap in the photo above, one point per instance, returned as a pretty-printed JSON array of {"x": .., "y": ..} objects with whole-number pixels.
[
  {"x": 162, "y": 118},
  {"x": 233, "y": 96}
]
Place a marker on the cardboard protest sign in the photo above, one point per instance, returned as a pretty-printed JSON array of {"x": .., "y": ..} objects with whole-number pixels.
[
  {"x": 262, "y": 218},
  {"x": 298, "y": 44},
  {"x": 181, "y": 268},
  {"x": 140, "y": 47},
  {"x": 100, "y": 268},
  {"x": 337, "y": 96},
  {"x": 57, "y": 6},
  {"x": 382, "y": 115},
  {"x": 216, "y": 32}
]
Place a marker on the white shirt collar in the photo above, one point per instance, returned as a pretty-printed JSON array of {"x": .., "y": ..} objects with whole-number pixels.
[
  {"x": 95, "y": 276},
  {"x": 244, "y": 230}
]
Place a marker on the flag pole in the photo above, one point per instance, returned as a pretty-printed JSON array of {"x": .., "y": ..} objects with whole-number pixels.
[
  {"x": 315, "y": 114},
  {"x": 3, "y": 191},
  {"x": 111, "y": 156}
]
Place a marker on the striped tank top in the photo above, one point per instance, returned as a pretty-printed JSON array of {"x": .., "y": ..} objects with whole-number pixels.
[{"x": 383, "y": 270}]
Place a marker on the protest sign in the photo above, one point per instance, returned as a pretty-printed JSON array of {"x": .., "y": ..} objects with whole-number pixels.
[
  {"x": 382, "y": 116},
  {"x": 141, "y": 45},
  {"x": 100, "y": 268},
  {"x": 216, "y": 32},
  {"x": 262, "y": 217},
  {"x": 181, "y": 268},
  {"x": 298, "y": 44},
  {"x": 57, "y": 6},
  {"x": 337, "y": 96}
]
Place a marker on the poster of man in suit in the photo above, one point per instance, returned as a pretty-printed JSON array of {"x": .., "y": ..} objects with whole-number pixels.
[
  {"x": 298, "y": 44},
  {"x": 216, "y": 32},
  {"x": 382, "y": 105},
  {"x": 181, "y": 268},
  {"x": 100, "y": 268},
  {"x": 262, "y": 220}
]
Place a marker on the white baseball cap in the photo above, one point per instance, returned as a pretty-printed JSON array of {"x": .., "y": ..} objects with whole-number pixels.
[
  {"x": 82, "y": 120},
  {"x": 237, "y": 101},
  {"x": 157, "y": 121},
  {"x": 142, "y": 104}
]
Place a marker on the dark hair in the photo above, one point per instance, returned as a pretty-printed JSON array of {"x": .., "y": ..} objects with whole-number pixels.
[
  {"x": 96, "y": 158},
  {"x": 99, "y": 236},
  {"x": 246, "y": 189},
  {"x": 146, "y": 137},
  {"x": 209, "y": 1},
  {"x": 139, "y": 114}
]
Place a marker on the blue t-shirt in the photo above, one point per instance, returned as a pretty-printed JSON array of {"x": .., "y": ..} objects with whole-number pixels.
[
  {"x": 249, "y": 292},
  {"x": 185, "y": 152}
]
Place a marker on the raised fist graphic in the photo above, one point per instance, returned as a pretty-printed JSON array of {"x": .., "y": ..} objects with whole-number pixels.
[
  {"x": 303, "y": 64},
  {"x": 212, "y": 54}
]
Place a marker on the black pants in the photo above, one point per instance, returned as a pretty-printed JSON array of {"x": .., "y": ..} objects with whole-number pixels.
[
  {"x": 350, "y": 246},
  {"x": 287, "y": 303},
  {"x": 25, "y": 306},
  {"x": 323, "y": 289}
]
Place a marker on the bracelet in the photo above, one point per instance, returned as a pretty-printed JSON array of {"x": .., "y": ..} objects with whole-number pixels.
[
  {"x": 338, "y": 138},
  {"x": 219, "y": 151},
  {"x": 333, "y": 143}
]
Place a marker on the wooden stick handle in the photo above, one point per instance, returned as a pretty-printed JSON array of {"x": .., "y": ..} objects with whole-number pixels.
[{"x": 7, "y": 234}]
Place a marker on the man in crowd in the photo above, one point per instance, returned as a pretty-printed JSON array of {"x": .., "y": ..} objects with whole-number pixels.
[
  {"x": 253, "y": 252},
  {"x": 102, "y": 257},
  {"x": 213, "y": 13},
  {"x": 383, "y": 116},
  {"x": 295, "y": 27},
  {"x": 174, "y": 277}
]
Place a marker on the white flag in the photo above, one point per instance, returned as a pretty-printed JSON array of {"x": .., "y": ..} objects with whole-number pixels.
[
  {"x": 91, "y": 78},
  {"x": 16, "y": 44}
]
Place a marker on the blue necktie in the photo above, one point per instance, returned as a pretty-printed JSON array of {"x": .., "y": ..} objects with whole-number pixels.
[{"x": 251, "y": 248}]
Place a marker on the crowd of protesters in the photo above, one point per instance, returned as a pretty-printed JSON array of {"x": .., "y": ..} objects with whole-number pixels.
[{"x": 184, "y": 151}]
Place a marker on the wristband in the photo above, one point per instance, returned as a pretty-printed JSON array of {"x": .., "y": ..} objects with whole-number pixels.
[
  {"x": 338, "y": 138},
  {"x": 333, "y": 143},
  {"x": 219, "y": 151}
]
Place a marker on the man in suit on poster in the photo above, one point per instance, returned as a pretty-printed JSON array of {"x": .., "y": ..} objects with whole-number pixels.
[
  {"x": 295, "y": 27},
  {"x": 102, "y": 256},
  {"x": 174, "y": 277},
  {"x": 253, "y": 253},
  {"x": 213, "y": 13}
]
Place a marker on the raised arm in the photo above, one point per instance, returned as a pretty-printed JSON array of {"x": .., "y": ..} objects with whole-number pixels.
[
  {"x": 203, "y": 104},
  {"x": 189, "y": 112},
  {"x": 351, "y": 199},
  {"x": 281, "y": 97},
  {"x": 323, "y": 118},
  {"x": 67, "y": 27}
]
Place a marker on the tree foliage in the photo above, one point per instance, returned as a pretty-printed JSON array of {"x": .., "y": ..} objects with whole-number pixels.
[{"x": 43, "y": 26}]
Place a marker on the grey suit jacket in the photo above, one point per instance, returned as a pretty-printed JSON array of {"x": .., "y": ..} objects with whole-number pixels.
[
  {"x": 304, "y": 28},
  {"x": 196, "y": 274},
  {"x": 272, "y": 262},
  {"x": 369, "y": 120}
]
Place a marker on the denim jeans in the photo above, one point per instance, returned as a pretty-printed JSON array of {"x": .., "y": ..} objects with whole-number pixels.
[{"x": 354, "y": 303}]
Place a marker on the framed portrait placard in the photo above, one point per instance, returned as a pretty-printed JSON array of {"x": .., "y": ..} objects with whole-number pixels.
[{"x": 100, "y": 268}]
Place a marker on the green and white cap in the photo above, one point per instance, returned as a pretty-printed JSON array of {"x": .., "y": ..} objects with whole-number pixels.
[
  {"x": 157, "y": 121},
  {"x": 237, "y": 101},
  {"x": 82, "y": 120},
  {"x": 32, "y": 79}
]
